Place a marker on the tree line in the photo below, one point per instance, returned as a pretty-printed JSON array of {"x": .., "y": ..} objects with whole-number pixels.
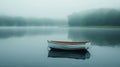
[
  {"x": 97, "y": 17},
  {"x": 20, "y": 21}
]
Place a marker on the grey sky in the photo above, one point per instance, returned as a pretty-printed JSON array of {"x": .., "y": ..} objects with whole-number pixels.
[{"x": 52, "y": 8}]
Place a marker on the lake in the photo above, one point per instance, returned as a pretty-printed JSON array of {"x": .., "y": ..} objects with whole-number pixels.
[{"x": 28, "y": 47}]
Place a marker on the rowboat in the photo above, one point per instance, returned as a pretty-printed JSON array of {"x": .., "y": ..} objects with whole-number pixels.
[
  {"x": 82, "y": 54},
  {"x": 67, "y": 45}
]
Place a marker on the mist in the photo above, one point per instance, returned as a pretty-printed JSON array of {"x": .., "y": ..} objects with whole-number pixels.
[
  {"x": 52, "y": 8},
  {"x": 85, "y": 33}
]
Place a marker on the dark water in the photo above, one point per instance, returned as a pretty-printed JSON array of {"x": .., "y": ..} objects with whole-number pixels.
[{"x": 27, "y": 47}]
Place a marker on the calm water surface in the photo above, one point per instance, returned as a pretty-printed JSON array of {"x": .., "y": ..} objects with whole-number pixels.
[{"x": 28, "y": 47}]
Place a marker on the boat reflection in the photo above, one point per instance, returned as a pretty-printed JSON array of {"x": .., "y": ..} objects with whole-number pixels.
[{"x": 76, "y": 54}]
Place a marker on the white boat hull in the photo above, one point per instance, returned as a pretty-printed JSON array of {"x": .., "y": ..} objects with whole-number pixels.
[{"x": 68, "y": 46}]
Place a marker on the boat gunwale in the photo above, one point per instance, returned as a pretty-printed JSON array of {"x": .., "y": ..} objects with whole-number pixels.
[{"x": 68, "y": 43}]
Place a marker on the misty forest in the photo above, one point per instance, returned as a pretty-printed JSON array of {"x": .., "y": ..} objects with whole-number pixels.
[
  {"x": 20, "y": 21},
  {"x": 96, "y": 17}
]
